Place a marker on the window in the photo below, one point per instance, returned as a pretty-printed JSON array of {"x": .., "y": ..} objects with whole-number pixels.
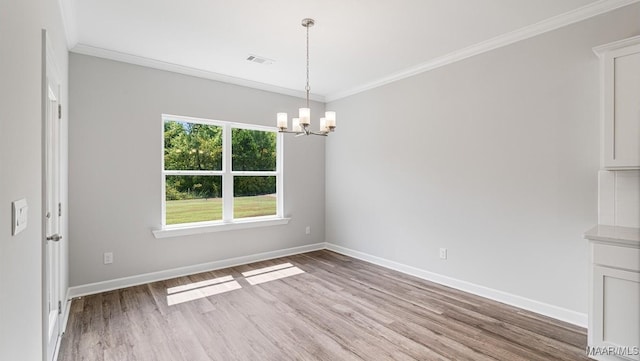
[{"x": 217, "y": 173}]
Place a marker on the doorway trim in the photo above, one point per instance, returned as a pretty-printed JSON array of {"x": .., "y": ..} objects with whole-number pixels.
[{"x": 51, "y": 333}]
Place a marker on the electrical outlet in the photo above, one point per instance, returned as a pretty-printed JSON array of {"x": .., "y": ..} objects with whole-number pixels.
[
  {"x": 443, "y": 253},
  {"x": 108, "y": 258},
  {"x": 308, "y": 230}
]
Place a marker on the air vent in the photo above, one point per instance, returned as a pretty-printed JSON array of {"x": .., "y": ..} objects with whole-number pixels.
[{"x": 260, "y": 60}]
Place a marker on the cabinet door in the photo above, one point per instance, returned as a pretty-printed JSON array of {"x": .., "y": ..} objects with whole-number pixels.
[
  {"x": 616, "y": 309},
  {"x": 621, "y": 91}
]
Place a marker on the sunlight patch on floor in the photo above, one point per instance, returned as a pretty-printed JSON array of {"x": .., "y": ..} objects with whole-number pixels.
[
  {"x": 202, "y": 292},
  {"x": 274, "y": 275},
  {"x": 267, "y": 269},
  {"x": 200, "y": 284},
  {"x": 201, "y": 289}
]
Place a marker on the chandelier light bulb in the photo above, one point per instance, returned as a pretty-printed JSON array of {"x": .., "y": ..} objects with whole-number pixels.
[
  {"x": 305, "y": 116},
  {"x": 282, "y": 121},
  {"x": 323, "y": 125},
  {"x": 296, "y": 125},
  {"x": 331, "y": 119}
]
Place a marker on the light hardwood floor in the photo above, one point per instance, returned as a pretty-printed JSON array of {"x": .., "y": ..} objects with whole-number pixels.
[{"x": 331, "y": 307}]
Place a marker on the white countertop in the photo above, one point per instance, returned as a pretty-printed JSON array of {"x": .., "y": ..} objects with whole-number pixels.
[{"x": 614, "y": 234}]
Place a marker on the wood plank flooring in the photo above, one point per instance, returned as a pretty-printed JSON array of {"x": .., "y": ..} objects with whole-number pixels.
[{"x": 322, "y": 306}]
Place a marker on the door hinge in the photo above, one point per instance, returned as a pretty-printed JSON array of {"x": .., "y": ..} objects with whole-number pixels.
[
  {"x": 59, "y": 307},
  {"x": 59, "y": 111},
  {"x": 59, "y": 209}
]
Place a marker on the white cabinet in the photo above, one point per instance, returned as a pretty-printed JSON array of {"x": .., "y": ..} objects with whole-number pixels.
[
  {"x": 617, "y": 315},
  {"x": 614, "y": 307},
  {"x": 620, "y": 103},
  {"x": 614, "y": 247}
]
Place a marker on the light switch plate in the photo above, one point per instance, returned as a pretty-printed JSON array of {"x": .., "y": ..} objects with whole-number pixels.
[{"x": 19, "y": 211}]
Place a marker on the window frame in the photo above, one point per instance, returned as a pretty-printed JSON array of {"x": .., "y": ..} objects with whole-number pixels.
[{"x": 227, "y": 173}]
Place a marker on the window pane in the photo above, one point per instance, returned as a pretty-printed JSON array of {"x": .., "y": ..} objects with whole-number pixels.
[
  {"x": 253, "y": 150},
  {"x": 254, "y": 196},
  {"x": 193, "y": 198},
  {"x": 192, "y": 146}
]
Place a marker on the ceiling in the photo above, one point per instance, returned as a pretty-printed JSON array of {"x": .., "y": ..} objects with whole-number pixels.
[{"x": 355, "y": 44}]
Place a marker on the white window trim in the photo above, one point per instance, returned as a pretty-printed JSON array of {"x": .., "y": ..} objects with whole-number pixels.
[
  {"x": 186, "y": 229},
  {"x": 227, "y": 223}
]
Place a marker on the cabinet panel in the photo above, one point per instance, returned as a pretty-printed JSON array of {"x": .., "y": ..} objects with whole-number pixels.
[
  {"x": 618, "y": 257},
  {"x": 626, "y": 110},
  {"x": 627, "y": 198},
  {"x": 616, "y": 308},
  {"x": 620, "y": 91}
]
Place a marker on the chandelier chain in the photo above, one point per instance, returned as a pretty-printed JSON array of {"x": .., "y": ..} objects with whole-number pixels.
[{"x": 307, "y": 88}]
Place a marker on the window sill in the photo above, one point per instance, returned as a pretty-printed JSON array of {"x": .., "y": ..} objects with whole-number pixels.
[{"x": 200, "y": 228}]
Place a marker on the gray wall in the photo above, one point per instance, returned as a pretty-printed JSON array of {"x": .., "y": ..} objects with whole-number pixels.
[
  {"x": 21, "y": 296},
  {"x": 115, "y": 169},
  {"x": 493, "y": 157}
]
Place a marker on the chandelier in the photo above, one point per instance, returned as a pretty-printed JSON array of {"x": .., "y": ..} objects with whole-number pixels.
[{"x": 301, "y": 125}]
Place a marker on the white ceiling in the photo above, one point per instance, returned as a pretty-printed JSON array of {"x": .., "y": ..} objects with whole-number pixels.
[{"x": 355, "y": 44}]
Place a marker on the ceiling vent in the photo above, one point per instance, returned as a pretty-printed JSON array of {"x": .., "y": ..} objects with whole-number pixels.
[{"x": 260, "y": 59}]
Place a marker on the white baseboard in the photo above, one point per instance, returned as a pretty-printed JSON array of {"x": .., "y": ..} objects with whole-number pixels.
[
  {"x": 559, "y": 313},
  {"x": 109, "y": 285}
]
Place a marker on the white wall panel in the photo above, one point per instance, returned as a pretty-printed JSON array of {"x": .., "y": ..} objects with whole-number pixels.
[
  {"x": 21, "y": 295},
  {"x": 494, "y": 158},
  {"x": 115, "y": 169}
]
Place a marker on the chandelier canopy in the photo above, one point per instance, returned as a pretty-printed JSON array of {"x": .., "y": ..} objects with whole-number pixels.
[{"x": 301, "y": 125}]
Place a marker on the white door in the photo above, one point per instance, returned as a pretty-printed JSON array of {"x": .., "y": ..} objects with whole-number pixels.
[{"x": 52, "y": 206}]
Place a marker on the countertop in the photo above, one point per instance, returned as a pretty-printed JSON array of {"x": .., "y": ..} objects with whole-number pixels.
[{"x": 629, "y": 236}]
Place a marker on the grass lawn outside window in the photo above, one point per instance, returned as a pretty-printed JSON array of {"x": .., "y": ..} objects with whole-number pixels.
[{"x": 202, "y": 210}]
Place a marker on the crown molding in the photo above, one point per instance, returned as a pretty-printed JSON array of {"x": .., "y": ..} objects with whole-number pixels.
[
  {"x": 175, "y": 68},
  {"x": 601, "y": 49},
  {"x": 69, "y": 22},
  {"x": 553, "y": 23}
]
